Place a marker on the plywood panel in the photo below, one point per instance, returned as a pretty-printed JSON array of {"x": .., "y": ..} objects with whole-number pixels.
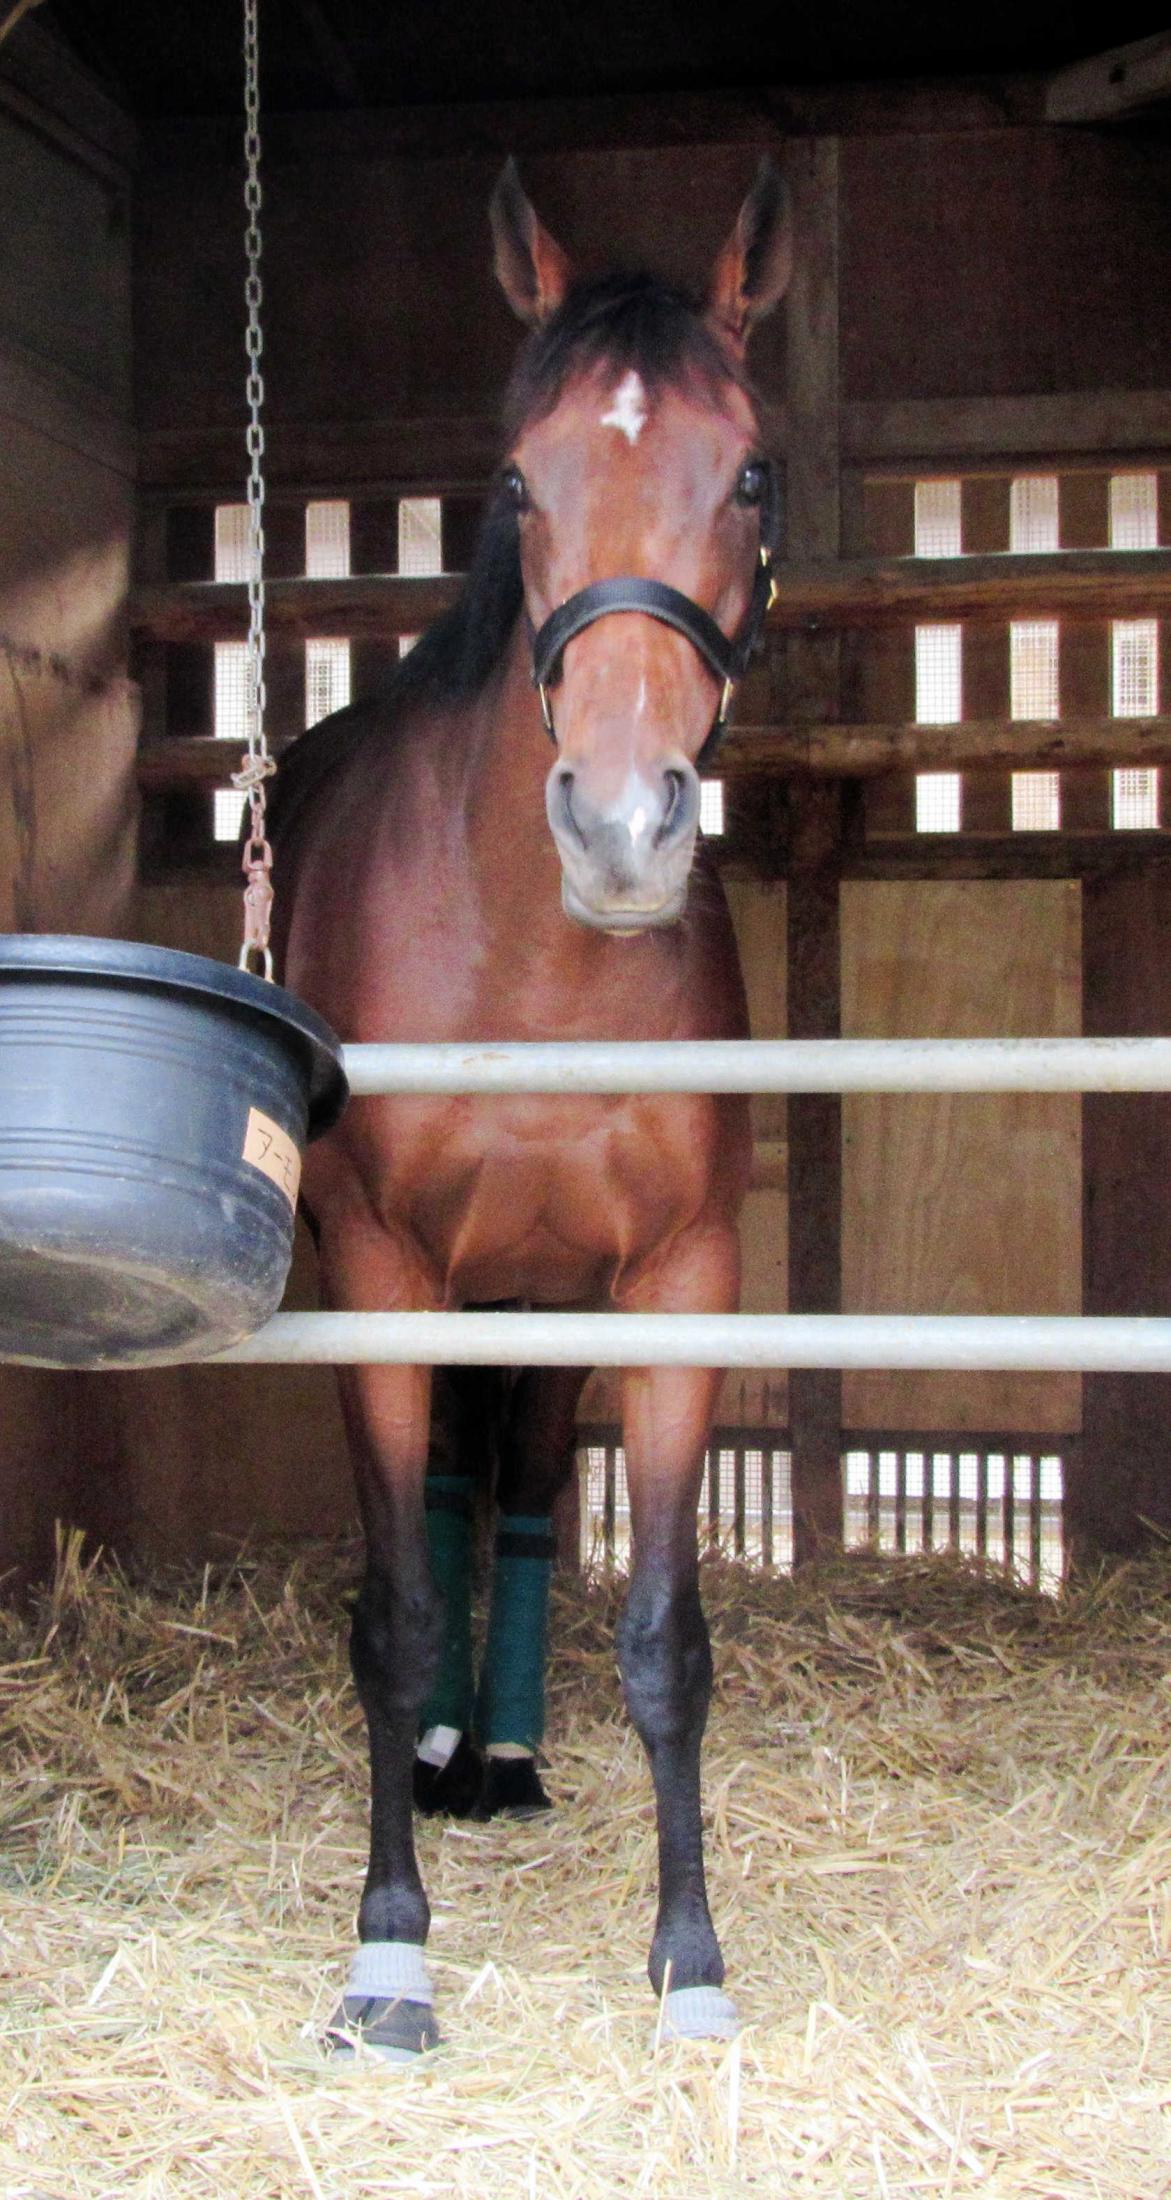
[
  {"x": 962, "y": 1204},
  {"x": 759, "y": 1398}
]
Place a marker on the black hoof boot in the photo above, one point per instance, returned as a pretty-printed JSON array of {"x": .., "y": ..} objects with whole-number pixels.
[
  {"x": 452, "y": 1790},
  {"x": 512, "y": 1789}
]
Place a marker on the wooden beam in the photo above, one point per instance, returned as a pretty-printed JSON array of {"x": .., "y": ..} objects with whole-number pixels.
[
  {"x": 1112, "y": 84},
  {"x": 811, "y": 593},
  {"x": 1075, "y": 427},
  {"x": 827, "y": 752},
  {"x": 867, "y": 752},
  {"x": 949, "y": 856},
  {"x": 439, "y": 454},
  {"x": 366, "y": 606},
  {"x": 457, "y": 452}
]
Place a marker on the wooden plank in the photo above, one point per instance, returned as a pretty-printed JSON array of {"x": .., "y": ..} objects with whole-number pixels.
[
  {"x": 759, "y": 1397},
  {"x": 1109, "y": 85},
  {"x": 961, "y": 1203},
  {"x": 1079, "y": 746},
  {"x": 812, "y": 593},
  {"x": 455, "y": 454},
  {"x": 1075, "y": 427},
  {"x": 1022, "y": 855},
  {"x": 448, "y": 454}
]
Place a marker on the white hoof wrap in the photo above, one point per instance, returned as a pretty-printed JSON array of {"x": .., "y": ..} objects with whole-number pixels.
[
  {"x": 699, "y": 2013},
  {"x": 389, "y": 1970}
]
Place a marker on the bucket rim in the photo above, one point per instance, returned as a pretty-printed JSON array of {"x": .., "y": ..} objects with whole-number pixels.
[{"x": 133, "y": 963}]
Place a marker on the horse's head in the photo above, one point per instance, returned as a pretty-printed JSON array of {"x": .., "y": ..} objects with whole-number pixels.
[{"x": 646, "y": 510}]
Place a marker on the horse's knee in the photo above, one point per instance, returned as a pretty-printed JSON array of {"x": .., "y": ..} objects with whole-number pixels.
[
  {"x": 395, "y": 1643},
  {"x": 665, "y": 1661}
]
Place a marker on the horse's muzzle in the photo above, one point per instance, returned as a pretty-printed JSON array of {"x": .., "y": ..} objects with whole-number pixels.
[{"x": 624, "y": 866}]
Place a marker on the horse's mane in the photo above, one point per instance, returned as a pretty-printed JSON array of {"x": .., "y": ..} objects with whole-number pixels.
[{"x": 620, "y": 321}]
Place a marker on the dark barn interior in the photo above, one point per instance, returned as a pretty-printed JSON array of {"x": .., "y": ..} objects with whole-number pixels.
[{"x": 945, "y": 799}]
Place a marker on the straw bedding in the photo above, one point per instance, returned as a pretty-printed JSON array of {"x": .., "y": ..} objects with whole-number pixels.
[{"x": 940, "y": 1861}]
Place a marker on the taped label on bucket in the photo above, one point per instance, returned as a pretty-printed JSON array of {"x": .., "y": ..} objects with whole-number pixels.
[{"x": 271, "y": 1150}]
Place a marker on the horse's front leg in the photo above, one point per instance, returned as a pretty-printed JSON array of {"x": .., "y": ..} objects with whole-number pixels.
[
  {"x": 664, "y": 1652},
  {"x": 395, "y": 1641}
]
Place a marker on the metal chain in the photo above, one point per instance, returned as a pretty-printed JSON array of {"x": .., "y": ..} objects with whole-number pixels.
[{"x": 258, "y": 764}]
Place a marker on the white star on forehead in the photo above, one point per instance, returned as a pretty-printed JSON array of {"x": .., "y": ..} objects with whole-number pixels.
[{"x": 628, "y": 408}]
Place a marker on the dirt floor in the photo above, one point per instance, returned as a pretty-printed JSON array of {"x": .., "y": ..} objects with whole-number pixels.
[{"x": 940, "y": 1861}]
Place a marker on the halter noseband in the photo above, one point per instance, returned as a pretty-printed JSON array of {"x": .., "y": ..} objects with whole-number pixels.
[{"x": 727, "y": 656}]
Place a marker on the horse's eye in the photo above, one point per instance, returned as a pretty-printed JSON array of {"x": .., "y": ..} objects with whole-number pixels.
[
  {"x": 750, "y": 484},
  {"x": 516, "y": 489}
]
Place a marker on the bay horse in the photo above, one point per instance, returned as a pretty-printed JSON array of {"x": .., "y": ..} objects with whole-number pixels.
[{"x": 503, "y": 846}]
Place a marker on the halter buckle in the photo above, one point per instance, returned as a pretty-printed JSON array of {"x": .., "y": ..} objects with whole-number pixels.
[{"x": 546, "y": 708}]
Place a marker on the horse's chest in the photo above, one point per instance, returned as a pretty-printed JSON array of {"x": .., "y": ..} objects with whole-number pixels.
[{"x": 512, "y": 1202}]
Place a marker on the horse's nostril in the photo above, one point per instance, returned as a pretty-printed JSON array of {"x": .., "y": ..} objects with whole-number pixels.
[
  {"x": 565, "y": 804},
  {"x": 675, "y": 807}
]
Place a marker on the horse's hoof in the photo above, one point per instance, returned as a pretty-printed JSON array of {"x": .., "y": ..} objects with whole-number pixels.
[
  {"x": 512, "y": 1789},
  {"x": 451, "y": 1790},
  {"x": 698, "y": 2013},
  {"x": 395, "y": 2031}
]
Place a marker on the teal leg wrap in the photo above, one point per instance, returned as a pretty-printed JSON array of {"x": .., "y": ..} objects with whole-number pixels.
[
  {"x": 448, "y": 1499},
  {"x": 510, "y": 1706}
]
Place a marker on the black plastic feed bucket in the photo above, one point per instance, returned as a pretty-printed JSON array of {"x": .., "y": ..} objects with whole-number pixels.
[{"x": 153, "y": 1111}]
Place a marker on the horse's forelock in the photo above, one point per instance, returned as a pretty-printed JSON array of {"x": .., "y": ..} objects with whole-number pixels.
[{"x": 620, "y": 321}]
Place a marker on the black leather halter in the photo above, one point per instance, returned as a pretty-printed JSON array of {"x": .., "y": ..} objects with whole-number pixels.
[{"x": 727, "y": 656}]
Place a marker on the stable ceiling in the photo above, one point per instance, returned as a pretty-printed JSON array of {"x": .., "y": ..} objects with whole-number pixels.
[{"x": 167, "y": 57}]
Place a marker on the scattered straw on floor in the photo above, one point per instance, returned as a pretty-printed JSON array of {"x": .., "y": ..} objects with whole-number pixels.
[{"x": 940, "y": 1859}]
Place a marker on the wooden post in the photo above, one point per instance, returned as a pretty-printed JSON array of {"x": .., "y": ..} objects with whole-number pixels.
[
  {"x": 814, "y": 681},
  {"x": 1084, "y": 662},
  {"x": 987, "y": 798},
  {"x": 1118, "y": 1486},
  {"x": 815, "y": 1158}
]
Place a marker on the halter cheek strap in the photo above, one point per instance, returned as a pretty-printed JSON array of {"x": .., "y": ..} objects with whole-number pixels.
[{"x": 727, "y": 656}]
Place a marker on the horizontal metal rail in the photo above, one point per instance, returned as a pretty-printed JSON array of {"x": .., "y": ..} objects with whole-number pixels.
[
  {"x": 1036, "y": 1343},
  {"x": 767, "y": 1065},
  {"x": 1094, "y": 1344}
]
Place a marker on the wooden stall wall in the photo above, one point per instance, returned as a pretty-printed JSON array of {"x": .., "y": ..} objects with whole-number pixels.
[
  {"x": 68, "y": 716},
  {"x": 966, "y": 278}
]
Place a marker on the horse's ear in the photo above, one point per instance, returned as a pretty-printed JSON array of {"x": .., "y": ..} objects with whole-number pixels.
[
  {"x": 533, "y": 271},
  {"x": 753, "y": 270}
]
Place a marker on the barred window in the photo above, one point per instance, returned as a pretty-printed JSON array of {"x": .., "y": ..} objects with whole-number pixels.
[
  {"x": 327, "y": 539},
  {"x": 1036, "y": 802},
  {"x": 937, "y": 802},
  {"x": 937, "y": 519},
  {"x": 938, "y": 657},
  {"x": 327, "y": 679}
]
